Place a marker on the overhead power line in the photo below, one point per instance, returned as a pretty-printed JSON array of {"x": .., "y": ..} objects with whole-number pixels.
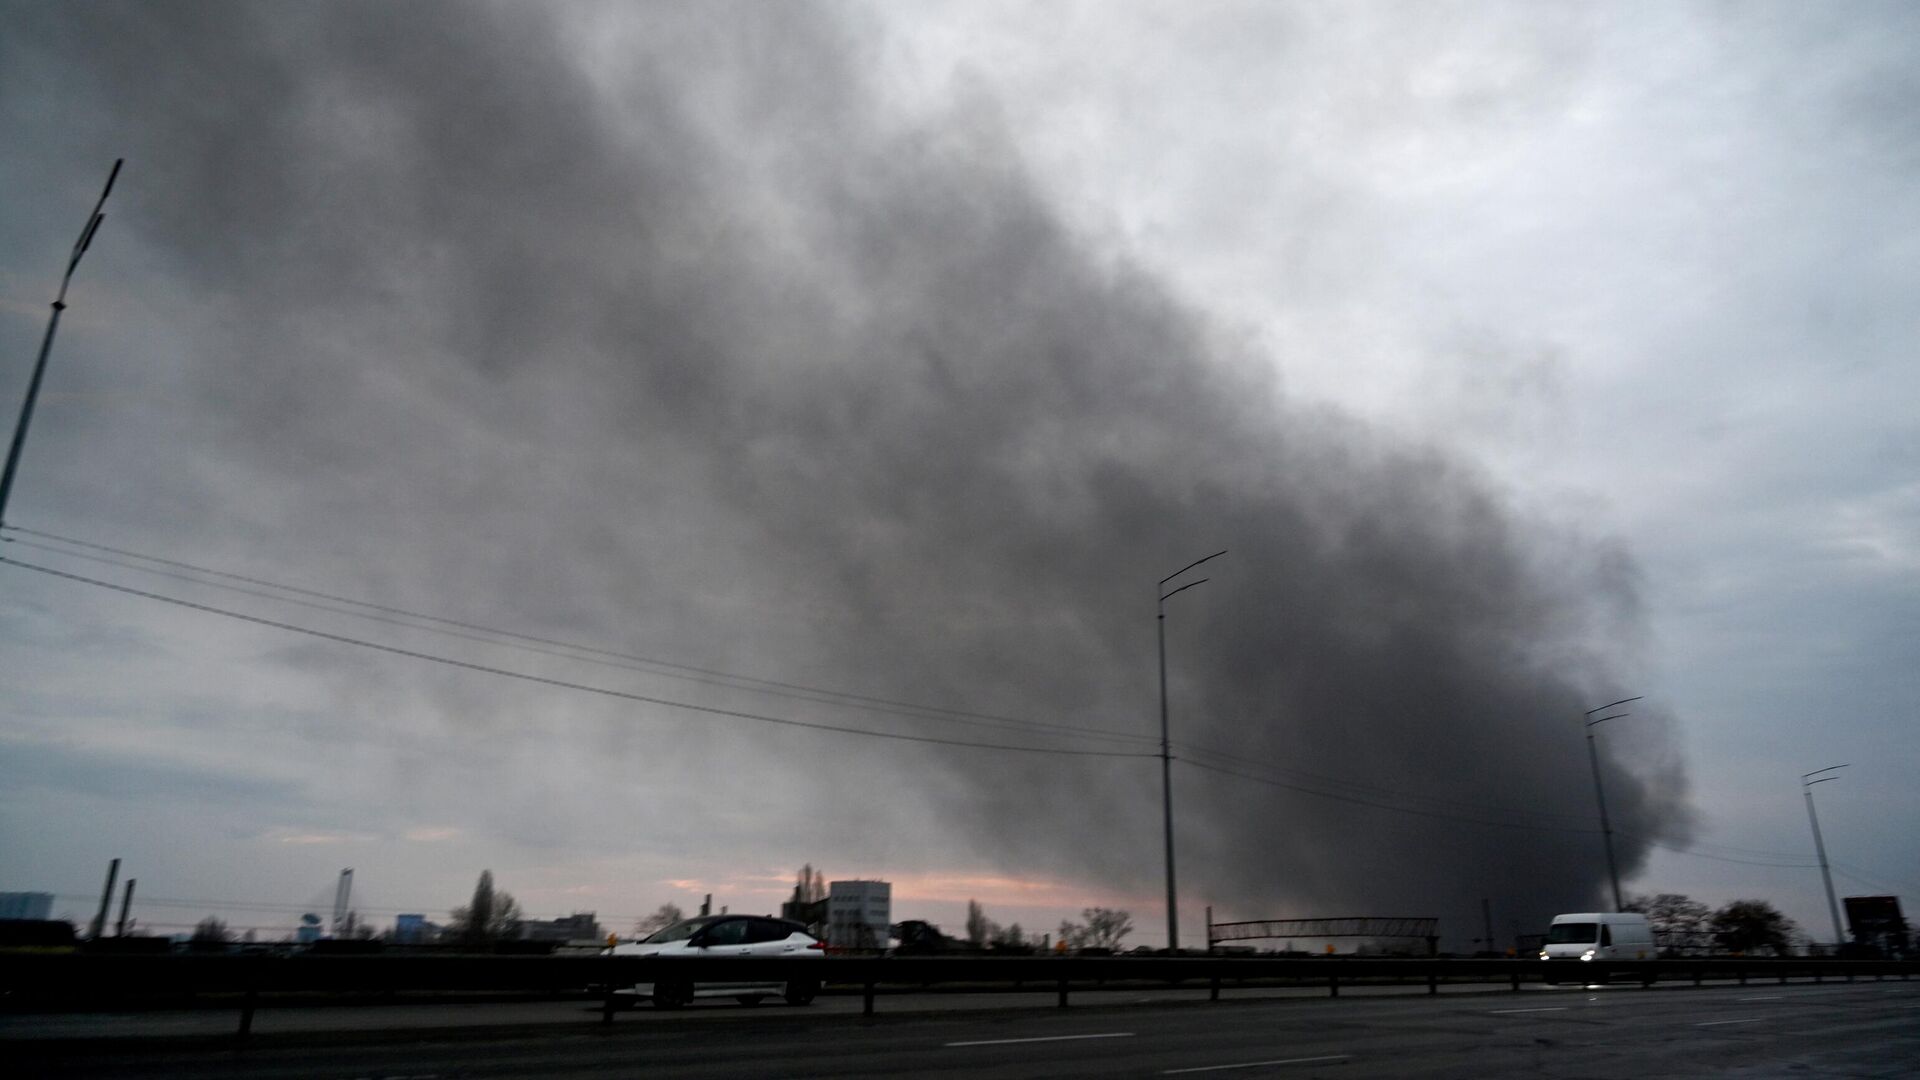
[
  {"x": 1783, "y": 861},
  {"x": 472, "y": 631},
  {"x": 180, "y": 570},
  {"x": 1307, "y": 779},
  {"x": 1890, "y": 885},
  {"x": 1414, "y": 811},
  {"x": 543, "y": 680},
  {"x": 1302, "y": 781}
]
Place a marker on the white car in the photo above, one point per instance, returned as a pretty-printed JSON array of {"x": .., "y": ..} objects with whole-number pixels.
[{"x": 728, "y": 935}]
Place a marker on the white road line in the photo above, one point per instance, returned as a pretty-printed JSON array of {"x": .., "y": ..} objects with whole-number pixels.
[
  {"x": 1507, "y": 1012},
  {"x": 1045, "y": 1038},
  {"x": 1717, "y": 1023},
  {"x": 1257, "y": 1064}
]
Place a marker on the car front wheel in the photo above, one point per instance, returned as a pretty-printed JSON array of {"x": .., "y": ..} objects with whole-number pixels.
[{"x": 671, "y": 995}]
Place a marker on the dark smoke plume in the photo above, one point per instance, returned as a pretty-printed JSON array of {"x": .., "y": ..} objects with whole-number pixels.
[{"x": 672, "y": 335}]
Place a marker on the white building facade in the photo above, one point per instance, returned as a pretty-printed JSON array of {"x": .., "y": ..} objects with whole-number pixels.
[{"x": 858, "y": 913}]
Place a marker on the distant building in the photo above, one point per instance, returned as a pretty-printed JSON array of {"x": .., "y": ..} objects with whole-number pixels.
[
  {"x": 806, "y": 913},
  {"x": 26, "y": 905},
  {"x": 858, "y": 913},
  {"x": 579, "y": 926},
  {"x": 413, "y": 929}
]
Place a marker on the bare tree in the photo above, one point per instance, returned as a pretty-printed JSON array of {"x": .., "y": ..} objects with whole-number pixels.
[
  {"x": 1103, "y": 929},
  {"x": 1671, "y": 913},
  {"x": 665, "y": 916},
  {"x": 211, "y": 931},
  {"x": 1678, "y": 921},
  {"x": 812, "y": 886},
  {"x": 980, "y": 929}
]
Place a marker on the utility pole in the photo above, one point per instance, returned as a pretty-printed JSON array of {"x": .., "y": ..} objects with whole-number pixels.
[
  {"x": 1599, "y": 793},
  {"x": 46, "y": 346},
  {"x": 1820, "y": 848},
  {"x": 1166, "y": 753}
]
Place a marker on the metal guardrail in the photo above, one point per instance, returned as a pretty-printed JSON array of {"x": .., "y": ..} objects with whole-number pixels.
[{"x": 27, "y": 980}]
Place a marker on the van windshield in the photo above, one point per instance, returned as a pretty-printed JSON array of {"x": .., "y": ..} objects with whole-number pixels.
[{"x": 1572, "y": 933}]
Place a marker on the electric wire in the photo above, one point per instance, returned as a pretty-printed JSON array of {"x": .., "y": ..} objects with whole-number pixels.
[
  {"x": 1380, "y": 805},
  {"x": 605, "y": 657},
  {"x": 1375, "y": 789},
  {"x": 1745, "y": 852},
  {"x": 703, "y": 675},
  {"x": 1693, "y": 851},
  {"x": 974, "y": 718},
  {"x": 795, "y": 691},
  {"x": 543, "y": 680},
  {"x": 1890, "y": 885},
  {"x": 388, "y": 615}
]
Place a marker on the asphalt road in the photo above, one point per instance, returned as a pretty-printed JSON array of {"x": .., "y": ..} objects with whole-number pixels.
[{"x": 1855, "y": 1030}]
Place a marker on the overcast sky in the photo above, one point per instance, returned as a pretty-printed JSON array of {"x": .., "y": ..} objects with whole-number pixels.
[{"x": 818, "y": 392}]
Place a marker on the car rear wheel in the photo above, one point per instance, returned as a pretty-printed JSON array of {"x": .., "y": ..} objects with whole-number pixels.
[{"x": 802, "y": 991}]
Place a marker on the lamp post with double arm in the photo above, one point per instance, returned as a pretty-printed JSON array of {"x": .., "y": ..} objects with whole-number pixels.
[
  {"x": 1599, "y": 792},
  {"x": 46, "y": 343},
  {"x": 1166, "y": 755},
  {"x": 1807, "y": 780}
]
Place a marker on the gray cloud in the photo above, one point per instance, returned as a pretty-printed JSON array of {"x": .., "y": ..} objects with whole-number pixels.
[{"x": 686, "y": 345}]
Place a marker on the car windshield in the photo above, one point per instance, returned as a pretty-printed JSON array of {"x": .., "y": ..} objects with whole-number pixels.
[
  {"x": 1572, "y": 933},
  {"x": 679, "y": 931}
]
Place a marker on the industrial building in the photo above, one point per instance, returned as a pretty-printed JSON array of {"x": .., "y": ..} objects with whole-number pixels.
[{"x": 858, "y": 913}]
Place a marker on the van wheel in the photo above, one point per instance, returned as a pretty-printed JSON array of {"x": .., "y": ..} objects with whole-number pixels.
[
  {"x": 671, "y": 995},
  {"x": 802, "y": 991}
]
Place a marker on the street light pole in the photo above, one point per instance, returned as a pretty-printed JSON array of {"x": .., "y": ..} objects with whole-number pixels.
[
  {"x": 1820, "y": 848},
  {"x": 1599, "y": 793},
  {"x": 1166, "y": 754},
  {"x": 46, "y": 343}
]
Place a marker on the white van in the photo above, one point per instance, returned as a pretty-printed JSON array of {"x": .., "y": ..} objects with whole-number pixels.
[{"x": 1601, "y": 935}]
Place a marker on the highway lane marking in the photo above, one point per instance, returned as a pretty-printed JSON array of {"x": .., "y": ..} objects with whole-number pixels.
[
  {"x": 1045, "y": 1038},
  {"x": 1257, "y": 1064},
  {"x": 1717, "y": 1023},
  {"x": 1554, "y": 1008}
]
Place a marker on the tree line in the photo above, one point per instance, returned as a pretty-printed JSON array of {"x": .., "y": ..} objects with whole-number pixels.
[{"x": 1683, "y": 924}]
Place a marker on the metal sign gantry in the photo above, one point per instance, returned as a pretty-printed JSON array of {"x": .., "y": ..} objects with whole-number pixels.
[{"x": 1345, "y": 926}]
